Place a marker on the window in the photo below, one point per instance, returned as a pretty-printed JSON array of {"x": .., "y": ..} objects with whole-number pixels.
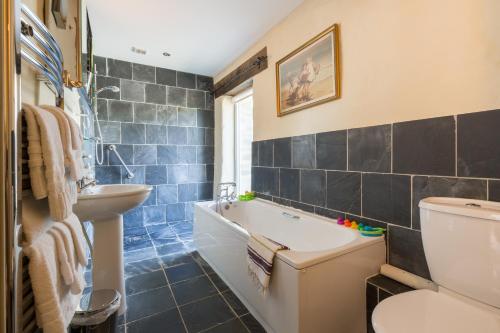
[{"x": 243, "y": 135}]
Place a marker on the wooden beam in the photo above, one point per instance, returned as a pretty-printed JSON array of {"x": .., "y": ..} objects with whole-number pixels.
[{"x": 256, "y": 64}]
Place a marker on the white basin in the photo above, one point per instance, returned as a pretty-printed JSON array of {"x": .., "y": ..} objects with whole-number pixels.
[{"x": 104, "y": 206}]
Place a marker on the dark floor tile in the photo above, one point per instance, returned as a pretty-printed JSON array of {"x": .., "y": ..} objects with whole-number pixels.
[
  {"x": 183, "y": 272},
  {"x": 425, "y": 147},
  {"x": 283, "y": 152},
  {"x": 331, "y": 150},
  {"x": 204, "y": 265},
  {"x": 162, "y": 234},
  {"x": 406, "y": 251},
  {"x": 478, "y": 147},
  {"x": 494, "y": 190},
  {"x": 290, "y": 184},
  {"x": 313, "y": 187},
  {"x": 218, "y": 282},
  {"x": 231, "y": 326},
  {"x": 387, "y": 198},
  {"x": 193, "y": 289},
  {"x": 176, "y": 259},
  {"x": 388, "y": 284},
  {"x": 252, "y": 324},
  {"x": 145, "y": 282},
  {"x": 132, "y": 243},
  {"x": 169, "y": 321},
  {"x": 182, "y": 227},
  {"x": 266, "y": 151},
  {"x": 370, "y": 149},
  {"x": 424, "y": 187},
  {"x": 142, "y": 267},
  {"x": 170, "y": 249},
  {"x": 205, "y": 313},
  {"x": 265, "y": 180},
  {"x": 343, "y": 191},
  {"x": 304, "y": 152},
  {"x": 149, "y": 303},
  {"x": 234, "y": 302}
]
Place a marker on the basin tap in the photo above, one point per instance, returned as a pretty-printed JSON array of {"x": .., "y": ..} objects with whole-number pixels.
[{"x": 85, "y": 182}]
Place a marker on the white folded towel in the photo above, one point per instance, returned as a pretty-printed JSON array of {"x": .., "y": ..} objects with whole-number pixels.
[
  {"x": 71, "y": 141},
  {"x": 260, "y": 256},
  {"x": 60, "y": 198},
  {"x": 54, "y": 302}
]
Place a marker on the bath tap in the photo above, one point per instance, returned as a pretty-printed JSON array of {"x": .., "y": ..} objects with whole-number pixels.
[{"x": 225, "y": 191}]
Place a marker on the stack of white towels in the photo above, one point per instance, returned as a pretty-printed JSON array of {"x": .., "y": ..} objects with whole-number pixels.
[{"x": 53, "y": 236}]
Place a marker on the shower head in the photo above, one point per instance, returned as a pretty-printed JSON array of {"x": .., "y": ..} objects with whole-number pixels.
[{"x": 114, "y": 89}]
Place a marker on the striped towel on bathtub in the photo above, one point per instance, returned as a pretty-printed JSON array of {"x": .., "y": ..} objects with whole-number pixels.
[{"x": 260, "y": 255}]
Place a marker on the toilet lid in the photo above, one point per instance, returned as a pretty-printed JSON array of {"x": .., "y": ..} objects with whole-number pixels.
[{"x": 425, "y": 311}]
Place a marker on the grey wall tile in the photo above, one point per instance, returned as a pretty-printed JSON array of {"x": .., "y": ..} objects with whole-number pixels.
[
  {"x": 198, "y": 173},
  {"x": 331, "y": 150},
  {"x": 156, "y": 174},
  {"x": 424, "y": 187},
  {"x": 108, "y": 174},
  {"x": 175, "y": 212},
  {"x": 282, "y": 152},
  {"x": 425, "y": 146},
  {"x": 313, "y": 187},
  {"x": 209, "y": 136},
  {"x": 494, "y": 190},
  {"x": 156, "y": 93},
  {"x": 186, "y": 117},
  {"x": 370, "y": 149},
  {"x": 195, "y": 136},
  {"x": 255, "y": 153},
  {"x": 154, "y": 214},
  {"x": 133, "y": 133},
  {"x": 478, "y": 144},
  {"x": 205, "y": 191},
  {"x": 151, "y": 199},
  {"x": 266, "y": 153},
  {"x": 139, "y": 172},
  {"x": 204, "y": 83},
  {"x": 177, "y": 135},
  {"x": 289, "y": 186},
  {"x": 344, "y": 191},
  {"x": 167, "y": 194},
  {"x": 102, "y": 109},
  {"x": 387, "y": 198},
  {"x": 304, "y": 152},
  {"x": 101, "y": 66},
  {"x": 176, "y": 96},
  {"x": 144, "y": 154},
  {"x": 186, "y": 80},
  {"x": 110, "y": 131},
  {"x": 166, "y": 76},
  {"x": 120, "y": 111},
  {"x": 209, "y": 101},
  {"x": 186, "y": 154},
  {"x": 126, "y": 152},
  {"x": 187, "y": 192},
  {"x": 205, "y": 118},
  {"x": 156, "y": 134},
  {"x": 105, "y": 81},
  {"x": 167, "y": 154},
  {"x": 166, "y": 115},
  {"x": 205, "y": 155},
  {"x": 143, "y": 73},
  {"x": 178, "y": 174},
  {"x": 144, "y": 113},
  {"x": 406, "y": 251},
  {"x": 132, "y": 91},
  {"x": 196, "y": 99},
  {"x": 120, "y": 69},
  {"x": 265, "y": 180},
  {"x": 210, "y": 173}
]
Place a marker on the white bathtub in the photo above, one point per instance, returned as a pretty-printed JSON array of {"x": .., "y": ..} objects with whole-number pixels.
[{"x": 317, "y": 286}]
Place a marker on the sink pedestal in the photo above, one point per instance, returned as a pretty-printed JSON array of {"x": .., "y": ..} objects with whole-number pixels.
[{"x": 107, "y": 264}]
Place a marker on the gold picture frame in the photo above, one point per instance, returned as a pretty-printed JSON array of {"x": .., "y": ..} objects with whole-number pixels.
[{"x": 310, "y": 75}]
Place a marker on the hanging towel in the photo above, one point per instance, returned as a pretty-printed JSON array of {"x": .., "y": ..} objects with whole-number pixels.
[
  {"x": 75, "y": 227},
  {"x": 54, "y": 302},
  {"x": 260, "y": 256},
  {"x": 71, "y": 141},
  {"x": 60, "y": 198},
  {"x": 35, "y": 162}
]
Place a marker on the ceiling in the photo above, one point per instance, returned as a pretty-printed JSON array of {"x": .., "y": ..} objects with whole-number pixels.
[{"x": 203, "y": 36}]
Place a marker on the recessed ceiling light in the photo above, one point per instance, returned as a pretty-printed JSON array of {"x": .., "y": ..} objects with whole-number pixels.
[
  {"x": 138, "y": 50},
  {"x": 166, "y": 54}
]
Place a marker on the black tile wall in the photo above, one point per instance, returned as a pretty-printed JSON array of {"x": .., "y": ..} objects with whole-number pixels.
[
  {"x": 165, "y": 142},
  {"x": 377, "y": 175}
]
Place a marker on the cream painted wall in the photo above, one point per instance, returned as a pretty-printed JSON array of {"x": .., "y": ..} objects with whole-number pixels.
[{"x": 401, "y": 60}]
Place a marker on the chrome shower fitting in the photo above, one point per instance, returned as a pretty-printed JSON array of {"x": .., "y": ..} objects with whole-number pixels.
[{"x": 114, "y": 89}]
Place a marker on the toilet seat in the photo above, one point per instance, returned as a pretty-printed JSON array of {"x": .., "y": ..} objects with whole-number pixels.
[{"x": 425, "y": 311}]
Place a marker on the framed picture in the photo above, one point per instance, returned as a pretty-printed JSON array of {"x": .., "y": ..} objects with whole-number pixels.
[{"x": 310, "y": 75}]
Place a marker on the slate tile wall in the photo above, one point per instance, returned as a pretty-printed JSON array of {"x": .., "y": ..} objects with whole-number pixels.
[
  {"x": 378, "y": 175},
  {"x": 162, "y": 123}
]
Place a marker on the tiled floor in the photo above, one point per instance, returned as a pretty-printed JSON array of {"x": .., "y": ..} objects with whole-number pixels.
[{"x": 170, "y": 288}]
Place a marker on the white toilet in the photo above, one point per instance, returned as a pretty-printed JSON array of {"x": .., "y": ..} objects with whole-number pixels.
[{"x": 461, "y": 240}]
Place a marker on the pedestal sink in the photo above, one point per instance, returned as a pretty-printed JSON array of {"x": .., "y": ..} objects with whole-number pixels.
[{"x": 104, "y": 206}]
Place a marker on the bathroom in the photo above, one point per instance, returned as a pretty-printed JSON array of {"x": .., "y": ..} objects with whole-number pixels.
[{"x": 293, "y": 166}]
